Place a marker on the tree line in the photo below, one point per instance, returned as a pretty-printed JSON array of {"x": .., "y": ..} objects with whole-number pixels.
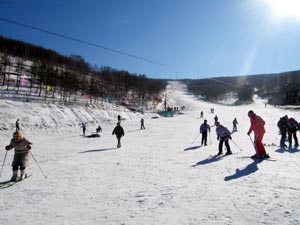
[
  {"x": 50, "y": 74},
  {"x": 277, "y": 89}
]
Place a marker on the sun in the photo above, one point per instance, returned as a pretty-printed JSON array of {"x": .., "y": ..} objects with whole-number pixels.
[{"x": 285, "y": 8}]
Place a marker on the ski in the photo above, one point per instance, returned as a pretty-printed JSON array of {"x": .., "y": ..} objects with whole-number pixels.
[
  {"x": 9, "y": 183},
  {"x": 249, "y": 157}
]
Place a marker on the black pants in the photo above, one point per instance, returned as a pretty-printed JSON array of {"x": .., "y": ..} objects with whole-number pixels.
[
  {"x": 222, "y": 140},
  {"x": 204, "y": 138},
  {"x": 293, "y": 135},
  {"x": 282, "y": 139},
  {"x": 119, "y": 141}
]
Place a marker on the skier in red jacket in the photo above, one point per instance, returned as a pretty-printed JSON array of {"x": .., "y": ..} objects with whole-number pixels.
[{"x": 257, "y": 126}]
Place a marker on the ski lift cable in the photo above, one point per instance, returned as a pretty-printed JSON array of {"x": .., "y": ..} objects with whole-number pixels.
[{"x": 82, "y": 41}]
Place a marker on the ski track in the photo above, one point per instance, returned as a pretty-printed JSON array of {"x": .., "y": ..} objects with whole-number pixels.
[{"x": 158, "y": 176}]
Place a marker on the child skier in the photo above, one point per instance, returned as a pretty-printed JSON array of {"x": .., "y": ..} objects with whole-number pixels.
[
  {"x": 204, "y": 128},
  {"x": 21, "y": 157},
  {"x": 223, "y": 134},
  {"x": 234, "y": 123},
  {"x": 119, "y": 132}
]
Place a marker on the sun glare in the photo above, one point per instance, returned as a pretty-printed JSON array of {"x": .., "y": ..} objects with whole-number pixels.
[{"x": 285, "y": 8}]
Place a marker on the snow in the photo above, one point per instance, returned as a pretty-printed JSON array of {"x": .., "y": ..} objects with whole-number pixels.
[{"x": 160, "y": 175}]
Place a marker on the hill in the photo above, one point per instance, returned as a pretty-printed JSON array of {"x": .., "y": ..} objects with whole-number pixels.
[{"x": 160, "y": 175}]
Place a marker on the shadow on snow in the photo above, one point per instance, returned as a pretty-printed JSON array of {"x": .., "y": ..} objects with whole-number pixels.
[
  {"x": 289, "y": 150},
  {"x": 208, "y": 160},
  {"x": 98, "y": 150},
  {"x": 192, "y": 148},
  {"x": 251, "y": 168}
]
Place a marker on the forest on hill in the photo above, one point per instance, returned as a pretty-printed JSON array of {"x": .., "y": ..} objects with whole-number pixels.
[
  {"x": 34, "y": 70},
  {"x": 277, "y": 89}
]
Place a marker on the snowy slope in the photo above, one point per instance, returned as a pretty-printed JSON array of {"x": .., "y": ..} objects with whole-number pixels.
[{"x": 161, "y": 175}]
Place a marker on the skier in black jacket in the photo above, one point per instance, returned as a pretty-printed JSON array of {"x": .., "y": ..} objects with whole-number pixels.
[{"x": 119, "y": 132}]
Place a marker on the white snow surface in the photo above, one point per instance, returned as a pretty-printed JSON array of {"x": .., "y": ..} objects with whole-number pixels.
[{"x": 160, "y": 175}]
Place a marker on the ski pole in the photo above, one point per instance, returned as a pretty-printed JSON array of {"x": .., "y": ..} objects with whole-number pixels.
[
  {"x": 236, "y": 145},
  {"x": 253, "y": 144},
  {"x": 3, "y": 163},
  {"x": 38, "y": 164},
  {"x": 209, "y": 139},
  {"x": 195, "y": 138}
]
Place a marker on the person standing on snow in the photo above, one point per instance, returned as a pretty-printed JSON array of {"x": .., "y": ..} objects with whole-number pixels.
[
  {"x": 21, "y": 156},
  {"x": 293, "y": 126},
  {"x": 119, "y": 132},
  {"x": 223, "y": 135},
  {"x": 234, "y": 123},
  {"x": 216, "y": 119},
  {"x": 282, "y": 124},
  {"x": 204, "y": 128},
  {"x": 18, "y": 124},
  {"x": 257, "y": 126},
  {"x": 83, "y": 126},
  {"x": 142, "y": 124}
]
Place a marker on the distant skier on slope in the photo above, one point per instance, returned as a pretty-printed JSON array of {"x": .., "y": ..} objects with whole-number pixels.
[
  {"x": 142, "y": 124},
  {"x": 18, "y": 124},
  {"x": 234, "y": 124},
  {"x": 119, "y": 132},
  {"x": 293, "y": 127},
  {"x": 223, "y": 135},
  {"x": 282, "y": 124},
  {"x": 257, "y": 126},
  {"x": 99, "y": 129},
  {"x": 21, "y": 156},
  {"x": 83, "y": 126},
  {"x": 204, "y": 128}
]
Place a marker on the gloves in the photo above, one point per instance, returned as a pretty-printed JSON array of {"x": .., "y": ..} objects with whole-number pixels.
[
  {"x": 7, "y": 148},
  {"x": 248, "y": 133},
  {"x": 28, "y": 147},
  {"x": 230, "y": 137}
]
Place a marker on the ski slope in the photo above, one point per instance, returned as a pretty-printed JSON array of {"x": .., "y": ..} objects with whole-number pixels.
[{"x": 160, "y": 175}]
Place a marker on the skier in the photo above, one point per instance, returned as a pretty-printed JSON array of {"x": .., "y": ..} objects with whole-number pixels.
[
  {"x": 18, "y": 124},
  {"x": 142, "y": 124},
  {"x": 98, "y": 129},
  {"x": 21, "y": 156},
  {"x": 216, "y": 119},
  {"x": 223, "y": 135},
  {"x": 119, "y": 132},
  {"x": 234, "y": 123},
  {"x": 282, "y": 124},
  {"x": 293, "y": 126},
  {"x": 257, "y": 126},
  {"x": 201, "y": 114},
  {"x": 83, "y": 126},
  {"x": 119, "y": 119},
  {"x": 203, "y": 130}
]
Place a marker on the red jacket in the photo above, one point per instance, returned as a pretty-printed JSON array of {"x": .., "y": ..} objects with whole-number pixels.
[{"x": 257, "y": 124}]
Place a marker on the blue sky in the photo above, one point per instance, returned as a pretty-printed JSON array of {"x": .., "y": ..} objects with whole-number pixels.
[{"x": 177, "y": 38}]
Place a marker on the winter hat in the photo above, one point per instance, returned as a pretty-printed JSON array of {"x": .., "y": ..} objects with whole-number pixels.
[
  {"x": 17, "y": 136},
  {"x": 250, "y": 113}
]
